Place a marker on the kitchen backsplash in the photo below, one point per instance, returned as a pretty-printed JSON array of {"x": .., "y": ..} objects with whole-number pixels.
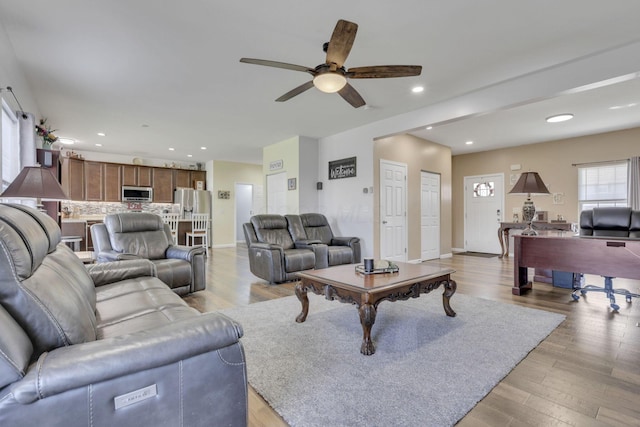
[{"x": 80, "y": 209}]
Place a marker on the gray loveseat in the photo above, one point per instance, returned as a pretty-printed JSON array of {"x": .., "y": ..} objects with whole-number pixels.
[
  {"x": 108, "y": 344},
  {"x": 280, "y": 246},
  {"x": 133, "y": 235}
]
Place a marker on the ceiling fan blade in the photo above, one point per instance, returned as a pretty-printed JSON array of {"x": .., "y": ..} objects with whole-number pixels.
[
  {"x": 349, "y": 94},
  {"x": 297, "y": 91},
  {"x": 341, "y": 41},
  {"x": 384, "y": 71},
  {"x": 277, "y": 64}
]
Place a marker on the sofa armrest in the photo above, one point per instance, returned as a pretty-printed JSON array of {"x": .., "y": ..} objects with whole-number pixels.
[
  {"x": 115, "y": 271},
  {"x": 79, "y": 365},
  {"x": 111, "y": 255},
  {"x": 183, "y": 252},
  {"x": 306, "y": 243},
  {"x": 344, "y": 241}
]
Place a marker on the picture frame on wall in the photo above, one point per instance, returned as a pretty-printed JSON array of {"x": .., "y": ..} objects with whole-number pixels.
[{"x": 291, "y": 183}]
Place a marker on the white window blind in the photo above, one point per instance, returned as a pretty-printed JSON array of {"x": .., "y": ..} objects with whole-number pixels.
[{"x": 602, "y": 185}]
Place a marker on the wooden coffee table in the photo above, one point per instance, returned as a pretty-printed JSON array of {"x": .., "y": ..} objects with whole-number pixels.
[{"x": 344, "y": 284}]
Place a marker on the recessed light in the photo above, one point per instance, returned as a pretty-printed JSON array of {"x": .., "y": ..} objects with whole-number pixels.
[
  {"x": 144, "y": 125},
  {"x": 189, "y": 155},
  {"x": 98, "y": 145},
  {"x": 172, "y": 149},
  {"x": 469, "y": 142},
  {"x": 203, "y": 148},
  {"x": 102, "y": 134},
  {"x": 417, "y": 89},
  {"x": 559, "y": 118},
  {"x": 66, "y": 141},
  {"x": 429, "y": 127}
]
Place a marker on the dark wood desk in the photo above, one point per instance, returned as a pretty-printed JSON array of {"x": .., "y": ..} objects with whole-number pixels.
[
  {"x": 503, "y": 231},
  {"x": 589, "y": 255}
]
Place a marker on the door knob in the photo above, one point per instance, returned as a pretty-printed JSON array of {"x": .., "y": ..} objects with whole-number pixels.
[{"x": 384, "y": 222}]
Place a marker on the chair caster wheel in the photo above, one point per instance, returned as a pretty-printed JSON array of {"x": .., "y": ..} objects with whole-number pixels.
[
  {"x": 575, "y": 297},
  {"x": 628, "y": 298},
  {"x": 615, "y": 307}
]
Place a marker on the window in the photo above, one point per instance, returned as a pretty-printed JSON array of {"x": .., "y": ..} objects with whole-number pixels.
[
  {"x": 484, "y": 189},
  {"x": 603, "y": 185},
  {"x": 10, "y": 146}
]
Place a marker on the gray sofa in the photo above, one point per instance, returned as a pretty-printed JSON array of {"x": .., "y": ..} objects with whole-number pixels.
[
  {"x": 133, "y": 235},
  {"x": 107, "y": 344},
  {"x": 280, "y": 246}
]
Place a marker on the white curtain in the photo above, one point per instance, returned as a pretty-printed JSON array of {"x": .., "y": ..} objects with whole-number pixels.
[
  {"x": 633, "y": 180},
  {"x": 27, "y": 139}
]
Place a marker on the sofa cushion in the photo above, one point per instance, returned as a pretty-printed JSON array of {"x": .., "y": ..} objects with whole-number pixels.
[
  {"x": 298, "y": 259},
  {"x": 142, "y": 234},
  {"x": 173, "y": 272},
  {"x": 340, "y": 255},
  {"x": 136, "y": 305},
  {"x": 51, "y": 298},
  {"x": 317, "y": 227},
  {"x": 15, "y": 350},
  {"x": 272, "y": 229}
]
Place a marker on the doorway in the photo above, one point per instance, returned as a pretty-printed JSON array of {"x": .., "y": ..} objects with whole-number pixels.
[
  {"x": 244, "y": 208},
  {"x": 277, "y": 193},
  {"x": 393, "y": 211},
  {"x": 483, "y": 212},
  {"x": 429, "y": 215}
]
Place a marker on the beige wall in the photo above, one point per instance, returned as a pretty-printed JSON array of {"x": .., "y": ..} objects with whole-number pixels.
[
  {"x": 552, "y": 160},
  {"x": 225, "y": 177},
  {"x": 289, "y": 152},
  {"x": 419, "y": 155}
]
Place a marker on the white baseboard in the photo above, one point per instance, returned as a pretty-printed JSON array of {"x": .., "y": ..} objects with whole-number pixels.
[
  {"x": 454, "y": 250},
  {"x": 226, "y": 245},
  {"x": 414, "y": 261},
  {"x": 449, "y": 255}
]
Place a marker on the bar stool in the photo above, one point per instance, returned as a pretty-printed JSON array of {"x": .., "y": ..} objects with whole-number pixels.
[
  {"x": 172, "y": 219},
  {"x": 200, "y": 230},
  {"x": 73, "y": 242}
]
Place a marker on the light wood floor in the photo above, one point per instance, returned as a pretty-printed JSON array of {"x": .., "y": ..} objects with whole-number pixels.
[{"x": 586, "y": 373}]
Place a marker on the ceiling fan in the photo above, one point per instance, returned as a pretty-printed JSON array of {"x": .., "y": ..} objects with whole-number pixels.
[{"x": 331, "y": 76}]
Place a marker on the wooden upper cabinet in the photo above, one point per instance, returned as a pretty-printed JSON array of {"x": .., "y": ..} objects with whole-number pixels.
[
  {"x": 199, "y": 176},
  {"x": 144, "y": 176},
  {"x": 163, "y": 185},
  {"x": 183, "y": 179},
  {"x": 73, "y": 178},
  {"x": 94, "y": 181},
  {"x": 112, "y": 182}
]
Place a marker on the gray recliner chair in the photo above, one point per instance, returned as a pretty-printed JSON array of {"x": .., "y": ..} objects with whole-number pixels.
[
  {"x": 134, "y": 235},
  {"x": 315, "y": 227},
  {"x": 273, "y": 256}
]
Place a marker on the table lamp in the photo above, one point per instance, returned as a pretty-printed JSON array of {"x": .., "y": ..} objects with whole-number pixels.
[
  {"x": 529, "y": 183},
  {"x": 34, "y": 182}
]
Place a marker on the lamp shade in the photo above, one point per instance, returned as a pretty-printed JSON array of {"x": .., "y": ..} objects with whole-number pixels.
[
  {"x": 37, "y": 183},
  {"x": 529, "y": 183}
]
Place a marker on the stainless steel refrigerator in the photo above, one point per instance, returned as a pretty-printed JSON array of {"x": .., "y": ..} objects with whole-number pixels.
[{"x": 192, "y": 201}]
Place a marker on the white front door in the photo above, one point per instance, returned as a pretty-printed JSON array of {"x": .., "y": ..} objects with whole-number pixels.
[
  {"x": 429, "y": 215},
  {"x": 277, "y": 193},
  {"x": 483, "y": 207},
  {"x": 393, "y": 211}
]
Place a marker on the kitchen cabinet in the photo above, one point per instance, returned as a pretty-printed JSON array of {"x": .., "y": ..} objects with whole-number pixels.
[
  {"x": 73, "y": 178},
  {"x": 137, "y": 176},
  {"x": 163, "y": 185},
  {"x": 112, "y": 182},
  {"x": 188, "y": 178},
  {"x": 93, "y": 181}
]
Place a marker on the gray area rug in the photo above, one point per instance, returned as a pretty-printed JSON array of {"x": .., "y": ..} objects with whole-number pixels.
[{"x": 428, "y": 369}]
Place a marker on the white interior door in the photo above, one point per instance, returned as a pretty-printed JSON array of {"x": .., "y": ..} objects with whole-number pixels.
[
  {"x": 483, "y": 207},
  {"x": 277, "y": 193},
  {"x": 429, "y": 215},
  {"x": 244, "y": 208},
  {"x": 393, "y": 211}
]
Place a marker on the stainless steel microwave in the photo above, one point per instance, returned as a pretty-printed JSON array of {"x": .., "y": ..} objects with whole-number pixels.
[{"x": 137, "y": 194}]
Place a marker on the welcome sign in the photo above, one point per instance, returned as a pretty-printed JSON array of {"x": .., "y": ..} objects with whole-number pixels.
[{"x": 343, "y": 168}]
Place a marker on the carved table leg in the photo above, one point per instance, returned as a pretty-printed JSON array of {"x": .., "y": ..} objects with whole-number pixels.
[
  {"x": 450, "y": 287},
  {"x": 367, "y": 319},
  {"x": 301, "y": 293},
  {"x": 500, "y": 237}
]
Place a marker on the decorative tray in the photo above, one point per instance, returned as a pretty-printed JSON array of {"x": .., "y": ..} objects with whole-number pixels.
[{"x": 379, "y": 267}]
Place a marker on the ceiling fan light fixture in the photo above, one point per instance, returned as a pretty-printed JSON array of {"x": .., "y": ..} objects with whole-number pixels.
[{"x": 329, "y": 82}]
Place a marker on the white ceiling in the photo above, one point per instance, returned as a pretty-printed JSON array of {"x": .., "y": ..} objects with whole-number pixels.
[{"x": 154, "y": 75}]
